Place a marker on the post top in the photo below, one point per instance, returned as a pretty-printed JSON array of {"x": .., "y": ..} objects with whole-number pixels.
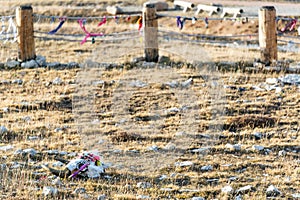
[
  {"x": 26, "y": 7},
  {"x": 267, "y": 8},
  {"x": 149, "y": 5}
]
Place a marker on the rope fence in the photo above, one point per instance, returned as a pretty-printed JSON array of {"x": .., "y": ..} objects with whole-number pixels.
[{"x": 13, "y": 30}]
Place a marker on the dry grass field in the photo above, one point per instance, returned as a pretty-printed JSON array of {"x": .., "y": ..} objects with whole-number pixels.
[{"x": 180, "y": 129}]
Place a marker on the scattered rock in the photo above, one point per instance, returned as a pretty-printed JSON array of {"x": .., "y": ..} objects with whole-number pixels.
[
  {"x": 172, "y": 84},
  {"x": 50, "y": 191},
  {"x": 202, "y": 150},
  {"x": 227, "y": 189},
  {"x": 30, "y": 64},
  {"x": 184, "y": 164},
  {"x": 164, "y": 59},
  {"x": 272, "y": 81},
  {"x": 296, "y": 195},
  {"x": 138, "y": 59},
  {"x": 272, "y": 191},
  {"x": 33, "y": 138},
  {"x": 291, "y": 79},
  {"x": 53, "y": 64},
  {"x": 235, "y": 147},
  {"x": 144, "y": 185},
  {"x": 101, "y": 197},
  {"x": 207, "y": 168},
  {"x": 12, "y": 64},
  {"x": 138, "y": 84},
  {"x": 245, "y": 189},
  {"x": 258, "y": 147},
  {"x": 257, "y": 135},
  {"x": 57, "y": 81},
  {"x": 72, "y": 65},
  {"x": 41, "y": 60},
  {"x": 152, "y": 148},
  {"x": 187, "y": 83},
  {"x": 170, "y": 147},
  {"x": 57, "y": 182},
  {"x": 31, "y": 152},
  {"x": 282, "y": 153},
  {"x": 79, "y": 191},
  {"x": 149, "y": 64},
  {"x": 198, "y": 198},
  {"x": 6, "y": 148},
  {"x": 17, "y": 81},
  {"x": 143, "y": 197},
  {"x": 58, "y": 164},
  {"x": 3, "y": 130}
]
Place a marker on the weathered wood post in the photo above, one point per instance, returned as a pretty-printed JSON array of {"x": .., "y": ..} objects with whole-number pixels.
[
  {"x": 150, "y": 32},
  {"x": 267, "y": 34},
  {"x": 24, "y": 20}
]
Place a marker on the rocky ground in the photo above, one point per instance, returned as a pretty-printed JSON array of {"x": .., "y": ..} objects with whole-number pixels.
[{"x": 212, "y": 127}]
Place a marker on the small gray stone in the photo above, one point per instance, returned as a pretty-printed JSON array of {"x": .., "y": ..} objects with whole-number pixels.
[
  {"x": 245, "y": 189},
  {"x": 3, "y": 130},
  {"x": 227, "y": 189},
  {"x": 30, "y": 151},
  {"x": 198, "y": 198},
  {"x": 184, "y": 164},
  {"x": 148, "y": 64},
  {"x": 12, "y": 64},
  {"x": 207, "y": 168},
  {"x": 138, "y": 59},
  {"x": 6, "y": 148},
  {"x": 41, "y": 60},
  {"x": 79, "y": 191},
  {"x": 170, "y": 146},
  {"x": 234, "y": 147},
  {"x": 57, "y": 81},
  {"x": 272, "y": 81},
  {"x": 33, "y": 138},
  {"x": 201, "y": 150},
  {"x": 187, "y": 83},
  {"x": 58, "y": 164},
  {"x": 152, "y": 148},
  {"x": 258, "y": 147},
  {"x": 53, "y": 64},
  {"x": 258, "y": 135},
  {"x": 144, "y": 185},
  {"x": 143, "y": 197},
  {"x": 272, "y": 191},
  {"x": 296, "y": 195},
  {"x": 30, "y": 64},
  {"x": 17, "y": 81},
  {"x": 50, "y": 191},
  {"x": 101, "y": 197},
  {"x": 73, "y": 64},
  {"x": 57, "y": 181},
  {"x": 282, "y": 153},
  {"x": 138, "y": 84}
]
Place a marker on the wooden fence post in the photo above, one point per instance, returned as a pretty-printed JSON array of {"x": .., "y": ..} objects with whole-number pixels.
[
  {"x": 150, "y": 32},
  {"x": 24, "y": 20},
  {"x": 267, "y": 34}
]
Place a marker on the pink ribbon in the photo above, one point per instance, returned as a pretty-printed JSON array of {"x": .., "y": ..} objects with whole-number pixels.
[
  {"x": 103, "y": 21},
  {"x": 88, "y": 34}
]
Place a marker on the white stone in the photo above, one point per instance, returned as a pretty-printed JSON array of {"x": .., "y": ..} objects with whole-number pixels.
[
  {"x": 198, "y": 198},
  {"x": 258, "y": 135},
  {"x": 258, "y": 147},
  {"x": 57, "y": 81},
  {"x": 272, "y": 81},
  {"x": 173, "y": 110},
  {"x": 50, "y": 191},
  {"x": 272, "y": 191},
  {"x": 245, "y": 189},
  {"x": 143, "y": 197},
  {"x": 6, "y": 110},
  {"x": 201, "y": 150},
  {"x": 207, "y": 168},
  {"x": 184, "y": 164},
  {"x": 138, "y": 84},
  {"x": 170, "y": 147},
  {"x": 3, "y": 129},
  {"x": 101, "y": 197},
  {"x": 292, "y": 79},
  {"x": 57, "y": 181},
  {"x": 79, "y": 191},
  {"x": 153, "y": 148},
  {"x": 235, "y": 147},
  {"x": 282, "y": 153},
  {"x": 6, "y": 148},
  {"x": 30, "y": 151},
  {"x": 227, "y": 189},
  {"x": 187, "y": 83},
  {"x": 296, "y": 195},
  {"x": 58, "y": 164},
  {"x": 144, "y": 185},
  {"x": 17, "y": 81},
  {"x": 172, "y": 84}
]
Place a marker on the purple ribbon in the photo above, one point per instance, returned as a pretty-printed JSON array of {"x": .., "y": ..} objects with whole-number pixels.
[{"x": 58, "y": 27}]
